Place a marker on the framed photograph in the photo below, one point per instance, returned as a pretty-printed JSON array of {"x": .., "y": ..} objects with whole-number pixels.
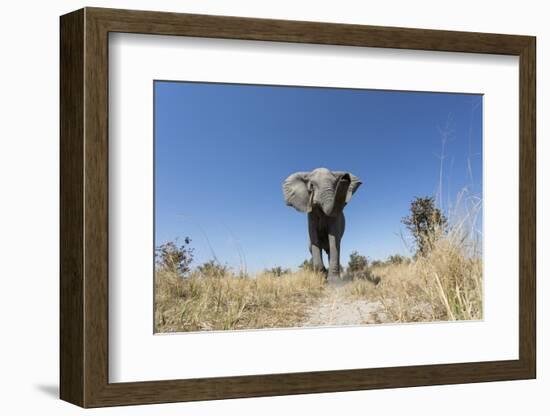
[{"x": 255, "y": 207}]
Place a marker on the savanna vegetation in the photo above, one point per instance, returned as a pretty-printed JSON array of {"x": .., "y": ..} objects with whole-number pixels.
[
  {"x": 224, "y": 301},
  {"x": 440, "y": 281}
]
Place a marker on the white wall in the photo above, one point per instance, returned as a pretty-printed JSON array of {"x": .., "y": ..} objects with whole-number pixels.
[{"x": 29, "y": 208}]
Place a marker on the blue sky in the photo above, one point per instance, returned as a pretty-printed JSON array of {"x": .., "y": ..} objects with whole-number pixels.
[{"x": 222, "y": 152}]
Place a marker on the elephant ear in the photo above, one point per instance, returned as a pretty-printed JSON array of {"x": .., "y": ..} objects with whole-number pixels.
[
  {"x": 355, "y": 183},
  {"x": 296, "y": 191}
]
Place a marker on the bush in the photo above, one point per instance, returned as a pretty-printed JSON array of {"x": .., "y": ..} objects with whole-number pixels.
[
  {"x": 307, "y": 265},
  {"x": 358, "y": 268},
  {"x": 396, "y": 259},
  {"x": 277, "y": 271},
  {"x": 426, "y": 223},
  {"x": 173, "y": 258},
  {"x": 213, "y": 268},
  {"x": 357, "y": 263}
]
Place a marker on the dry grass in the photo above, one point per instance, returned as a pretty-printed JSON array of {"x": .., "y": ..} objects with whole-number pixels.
[
  {"x": 446, "y": 285},
  {"x": 203, "y": 302}
]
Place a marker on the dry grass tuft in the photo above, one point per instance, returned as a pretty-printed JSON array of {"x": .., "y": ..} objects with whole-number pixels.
[
  {"x": 445, "y": 285},
  {"x": 202, "y": 302}
]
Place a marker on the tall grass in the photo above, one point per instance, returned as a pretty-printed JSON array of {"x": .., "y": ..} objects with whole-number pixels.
[
  {"x": 446, "y": 284},
  {"x": 207, "y": 302}
]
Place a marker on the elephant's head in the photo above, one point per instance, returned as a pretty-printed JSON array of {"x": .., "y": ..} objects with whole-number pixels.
[{"x": 330, "y": 191}]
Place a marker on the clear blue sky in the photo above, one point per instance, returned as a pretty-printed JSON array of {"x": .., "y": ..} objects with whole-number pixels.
[{"x": 222, "y": 152}]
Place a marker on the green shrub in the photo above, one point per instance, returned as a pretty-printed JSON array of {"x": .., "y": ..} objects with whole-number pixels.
[
  {"x": 277, "y": 271},
  {"x": 307, "y": 265},
  {"x": 173, "y": 258},
  {"x": 396, "y": 259},
  {"x": 357, "y": 263},
  {"x": 426, "y": 223},
  {"x": 212, "y": 268}
]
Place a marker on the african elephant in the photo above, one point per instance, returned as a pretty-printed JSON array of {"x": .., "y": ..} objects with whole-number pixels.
[{"x": 323, "y": 194}]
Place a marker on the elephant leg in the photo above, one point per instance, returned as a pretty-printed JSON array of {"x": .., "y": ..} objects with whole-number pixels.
[
  {"x": 317, "y": 258},
  {"x": 334, "y": 258},
  {"x": 335, "y": 234},
  {"x": 314, "y": 245}
]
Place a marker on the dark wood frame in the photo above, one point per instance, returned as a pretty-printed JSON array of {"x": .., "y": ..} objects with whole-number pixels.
[{"x": 84, "y": 207}]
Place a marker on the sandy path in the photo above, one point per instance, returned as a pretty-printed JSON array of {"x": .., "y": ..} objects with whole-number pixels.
[{"x": 335, "y": 309}]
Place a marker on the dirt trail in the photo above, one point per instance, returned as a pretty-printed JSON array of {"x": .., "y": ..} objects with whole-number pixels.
[{"x": 337, "y": 309}]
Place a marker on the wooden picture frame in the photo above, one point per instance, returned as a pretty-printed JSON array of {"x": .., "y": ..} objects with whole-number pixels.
[{"x": 84, "y": 207}]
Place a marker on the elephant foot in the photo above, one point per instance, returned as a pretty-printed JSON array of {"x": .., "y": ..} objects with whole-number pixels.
[{"x": 333, "y": 277}]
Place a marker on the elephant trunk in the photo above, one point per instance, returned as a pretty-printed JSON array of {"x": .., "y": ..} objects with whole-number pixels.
[
  {"x": 333, "y": 198},
  {"x": 340, "y": 194},
  {"x": 326, "y": 202}
]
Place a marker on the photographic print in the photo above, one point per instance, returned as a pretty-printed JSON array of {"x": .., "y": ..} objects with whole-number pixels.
[
  {"x": 366, "y": 186},
  {"x": 293, "y": 207}
]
